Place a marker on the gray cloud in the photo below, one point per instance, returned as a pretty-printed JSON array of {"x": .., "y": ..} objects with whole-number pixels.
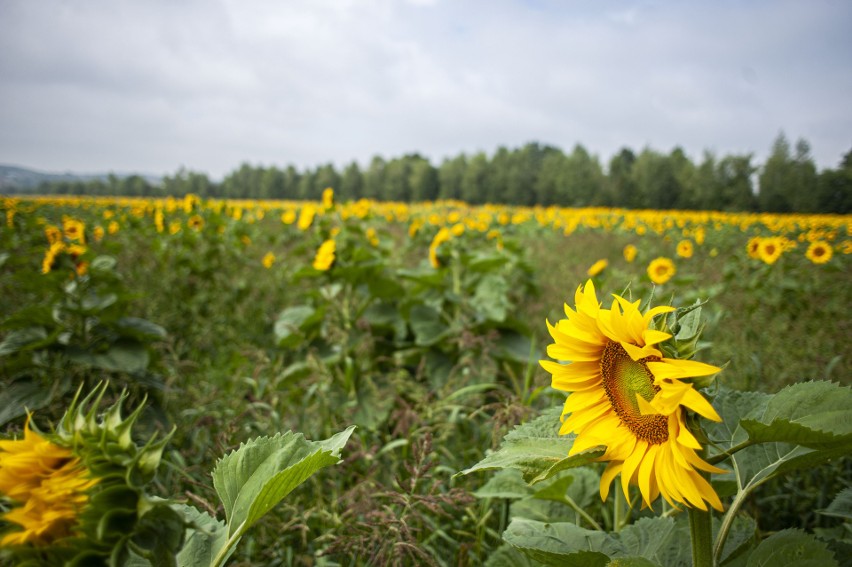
[{"x": 150, "y": 86}]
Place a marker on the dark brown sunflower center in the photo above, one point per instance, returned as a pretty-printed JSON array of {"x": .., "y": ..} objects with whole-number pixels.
[{"x": 624, "y": 379}]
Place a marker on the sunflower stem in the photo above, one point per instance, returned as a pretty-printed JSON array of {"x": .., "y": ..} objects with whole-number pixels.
[
  {"x": 617, "y": 510},
  {"x": 702, "y": 537}
]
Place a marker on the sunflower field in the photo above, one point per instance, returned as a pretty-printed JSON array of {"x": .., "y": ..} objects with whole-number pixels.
[{"x": 209, "y": 382}]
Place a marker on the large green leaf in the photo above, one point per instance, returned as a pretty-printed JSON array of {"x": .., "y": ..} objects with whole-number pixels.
[
  {"x": 537, "y": 450},
  {"x": 253, "y": 479},
  {"x": 23, "y": 395},
  {"x": 427, "y": 324},
  {"x": 803, "y": 425},
  {"x": 508, "y": 483},
  {"x": 293, "y": 321},
  {"x": 491, "y": 298},
  {"x": 508, "y": 556},
  {"x": 662, "y": 541},
  {"x": 562, "y": 543},
  {"x": 791, "y": 548},
  {"x": 126, "y": 355},
  {"x": 28, "y": 338},
  {"x": 813, "y": 414},
  {"x": 205, "y": 538},
  {"x": 841, "y": 506}
]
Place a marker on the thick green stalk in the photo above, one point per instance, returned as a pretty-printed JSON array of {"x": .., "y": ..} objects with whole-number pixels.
[{"x": 702, "y": 537}]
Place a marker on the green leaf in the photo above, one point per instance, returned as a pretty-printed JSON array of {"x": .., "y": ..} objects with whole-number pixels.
[
  {"x": 813, "y": 414},
  {"x": 123, "y": 356},
  {"x": 508, "y": 483},
  {"x": 292, "y": 322},
  {"x": 660, "y": 540},
  {"x": 793, "y": 548},
  {"x": 428, "y": 326},
  {"x": 203, "y": 540},
  {"x": 491, "y": 298},
  {"x": 741, "y": 537},
  {"x": 537, "y": 450},
  {"x": 841, "y": 506},
  {"x": 516, "y": 347},
  {"x": 24, "y": 339},
  {"x": 140, "y": 329},
  {"x": 23, "y": 395},
  {"x": 508, "y": 556},
  {"x": 257, "y": 476},
  {"x": 562, "y": 543},
  {"x": 485, "y": 261}
]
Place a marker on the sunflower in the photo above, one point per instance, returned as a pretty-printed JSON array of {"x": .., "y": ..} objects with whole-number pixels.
[
  {"x": 268, "y": 260},
  {"x": 48, "y": 482},
  {"x": 770, "y": 249},
  {"x": 306, "y": 217},
  {"x": 195, "y": 222},
  {"x": 819, "y": 252},
  {"x": 684, "y": 249},
  {"x": 328, "y": 198},
  {"x": 325, "y": 256},
  {"x": 597, "y": 267},
  {"x": 753, "y": 247},
  {"x": 627, "y": 397},
  {"x": 630, "y": 253},
  {"x": 661, "y": 270}
]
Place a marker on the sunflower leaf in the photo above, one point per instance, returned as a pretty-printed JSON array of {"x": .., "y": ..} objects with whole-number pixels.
[
  {"x": 253, "y": 479},
  {"x": 813, "y": 414},
  {"x": 562, "y": 543},
  {"x": 791, "y": 547},
  {"x": 537, "y": 450},
  {"x": 841, "y": 506}
]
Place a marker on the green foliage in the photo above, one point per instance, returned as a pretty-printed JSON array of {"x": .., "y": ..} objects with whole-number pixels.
[{"x": 537, "y": 450}]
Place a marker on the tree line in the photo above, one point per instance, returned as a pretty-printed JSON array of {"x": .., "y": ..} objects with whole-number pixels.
[{"x": 534, "y": 174}]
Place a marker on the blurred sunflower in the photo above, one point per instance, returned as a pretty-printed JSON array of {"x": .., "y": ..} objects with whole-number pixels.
[
  {"x": 770, "y": 249},
  {"x": 627, "y": 397},
  {"x": 49, "y": 484},
  {"x": 819, "y": 252},
  {"x": 325, "y": 256},
  {"x": 195, "y": 222},
  {"x": 661, "y": 270},
  {"x": 630, "y": 253},
  {"x": 684, "y": 249},
  {"x": 268, "y": 260},
  {"x": 328, "y": 198},
  {"x": 597, "y": 267},
  {"x": 753, "y": 247}
]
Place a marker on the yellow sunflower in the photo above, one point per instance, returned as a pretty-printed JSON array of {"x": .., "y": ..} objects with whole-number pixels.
[
  {"x": 626, "y": 396},
  {"x": 753, "y": 247},
  {"x": 597, "y": 267},
  {"x": 630, "y": 253},
  {"x": 770, "y": 249},
  {"x": 325, "y": 256},
  {"x": 661, "y": 270},
  {"x": 50, "y": 485},
  {"x": 684, "y": 249},
  {"x": 819, "y": 252},
  {"x": 268, "y": 260}
]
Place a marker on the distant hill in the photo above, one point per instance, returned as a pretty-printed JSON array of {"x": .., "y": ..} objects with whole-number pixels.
[{"x": 22, "y": 180}]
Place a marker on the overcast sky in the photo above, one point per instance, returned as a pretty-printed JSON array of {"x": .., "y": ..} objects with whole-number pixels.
[{"x": 153, "y": 85}]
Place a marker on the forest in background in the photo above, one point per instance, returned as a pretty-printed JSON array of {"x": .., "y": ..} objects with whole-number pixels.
[{"x": 534, "y": 174}]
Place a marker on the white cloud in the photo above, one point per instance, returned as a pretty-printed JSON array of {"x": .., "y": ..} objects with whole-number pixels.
[{"x": 152, "y": 85}]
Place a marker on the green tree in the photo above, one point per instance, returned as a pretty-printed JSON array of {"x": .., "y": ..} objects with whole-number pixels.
[
  {"x": 351, "y": 183},
  {"x": 451, "y": 177}
]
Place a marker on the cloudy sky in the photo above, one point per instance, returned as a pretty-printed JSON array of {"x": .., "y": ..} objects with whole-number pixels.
[{"x": 153, "y": 85}]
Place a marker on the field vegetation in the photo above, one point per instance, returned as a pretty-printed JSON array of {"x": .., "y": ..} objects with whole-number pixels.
[{"x": 423, "y": 325}]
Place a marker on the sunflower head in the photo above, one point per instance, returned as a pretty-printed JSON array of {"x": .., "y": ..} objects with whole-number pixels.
[
  {"x": 78, "y": 495},
  {"x": 631, "y": 392},
  {"x": 819, "y": 252}
]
